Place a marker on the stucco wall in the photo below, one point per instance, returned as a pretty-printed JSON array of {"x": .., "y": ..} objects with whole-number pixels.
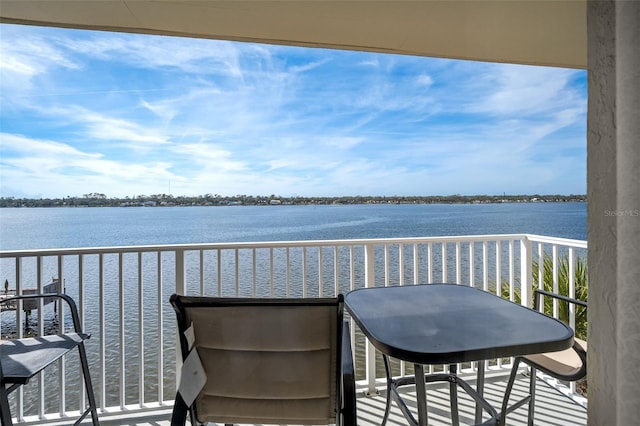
[
  {"x": 613, "y": 187},
  {"x": 628, "y": 220},
  {"x": 601, "y": 229}
]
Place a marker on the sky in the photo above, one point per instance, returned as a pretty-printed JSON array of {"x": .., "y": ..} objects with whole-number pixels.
[{"x": 127, "y": 115}]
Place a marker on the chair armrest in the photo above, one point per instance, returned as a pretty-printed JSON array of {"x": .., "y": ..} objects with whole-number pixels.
[
  {"x": 72, "y": 305},
  {"x": 348, "y": 379},
  {"x": 539, "y": 293}
]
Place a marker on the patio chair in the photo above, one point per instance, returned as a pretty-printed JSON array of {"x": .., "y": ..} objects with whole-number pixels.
[
  {"x": 264, "y": 361},
  {"x": 22, "y": 359},
  {"x": 567, "y": 365}
]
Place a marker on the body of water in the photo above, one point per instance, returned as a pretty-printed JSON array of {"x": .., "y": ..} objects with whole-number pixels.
[
  {"x": 39, "y": 228},
  {"x": 42, "y": 228}
]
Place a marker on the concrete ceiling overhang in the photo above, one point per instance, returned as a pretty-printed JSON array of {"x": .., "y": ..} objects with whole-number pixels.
[{"x": 536, "y": 32}]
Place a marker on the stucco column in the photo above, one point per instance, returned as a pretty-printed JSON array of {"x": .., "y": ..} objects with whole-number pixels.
[
  {"x": 613, "y": 187},
  {"x": 628, "y": 220}
]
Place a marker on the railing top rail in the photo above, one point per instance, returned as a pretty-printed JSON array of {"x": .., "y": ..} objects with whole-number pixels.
[
  {"x": 558, "y": 241},
  {"x": 291, "y": 244}
]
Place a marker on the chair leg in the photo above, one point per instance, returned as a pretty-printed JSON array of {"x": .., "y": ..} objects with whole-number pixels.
[
  {"x": 532, "y": 395},
  {"x": 88, "y": 385}
]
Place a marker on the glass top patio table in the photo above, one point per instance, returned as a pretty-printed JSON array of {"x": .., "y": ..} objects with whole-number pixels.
[{"x": 449, "y": 324}]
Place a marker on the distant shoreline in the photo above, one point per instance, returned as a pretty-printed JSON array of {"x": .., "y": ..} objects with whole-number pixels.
[{"x": 163, "y": 200}]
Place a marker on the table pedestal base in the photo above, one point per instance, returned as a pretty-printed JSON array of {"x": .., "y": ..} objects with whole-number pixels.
[{"x": 421, "y": 394}]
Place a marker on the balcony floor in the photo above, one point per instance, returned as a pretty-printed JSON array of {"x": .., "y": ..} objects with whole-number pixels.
[{"x": 552, "y": 407}]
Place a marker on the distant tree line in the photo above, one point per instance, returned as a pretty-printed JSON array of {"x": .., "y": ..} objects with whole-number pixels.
[{"x": 167, "y": 200}]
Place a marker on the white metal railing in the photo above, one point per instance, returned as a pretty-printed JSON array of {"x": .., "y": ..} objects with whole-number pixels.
[{"x": 122, "y": 295}]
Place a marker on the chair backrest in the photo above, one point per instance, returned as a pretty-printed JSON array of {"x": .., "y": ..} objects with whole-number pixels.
[
  {"x": 22, "y": 359},
  {"x": 271, "y": 361}
]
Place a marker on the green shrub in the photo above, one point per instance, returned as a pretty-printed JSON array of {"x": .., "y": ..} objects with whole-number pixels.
[{"x": 580, "y": 285}]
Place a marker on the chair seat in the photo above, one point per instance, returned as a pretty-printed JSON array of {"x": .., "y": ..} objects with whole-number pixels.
[
  {"x": 21, "y": 359},
  {"x": 562, "y": 363}
]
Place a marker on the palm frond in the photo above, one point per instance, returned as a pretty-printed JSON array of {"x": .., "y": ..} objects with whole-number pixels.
[{"x": 561, "y": 285}]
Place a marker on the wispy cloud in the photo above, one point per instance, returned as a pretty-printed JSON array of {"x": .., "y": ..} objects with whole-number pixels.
[
  {"x": 122, "y": 114},
  {"x": 523, "y": 90}
]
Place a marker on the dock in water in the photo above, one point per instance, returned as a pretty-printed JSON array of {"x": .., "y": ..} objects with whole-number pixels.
[{"x": 29, "y": 305}]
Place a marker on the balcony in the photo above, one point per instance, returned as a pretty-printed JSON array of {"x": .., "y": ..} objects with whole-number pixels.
[{"x": 122, "y": 294}]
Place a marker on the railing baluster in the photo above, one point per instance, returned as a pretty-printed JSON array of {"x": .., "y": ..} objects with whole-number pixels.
[
  {"x": 498, "y": 288},
  {"x": 20, "y": 332},
  {"x": 472, "y": 263},
  {"x": 141, "y": 329},
  {"x": 288, "y": 272},
  {"x": 386, "y": 265},
  {"x": 219, "y": 270},
  {"x": 351, "y": 269},
  {"x": 122, "y": 332},
  {"x": 400, "y": 263},
  {"x": 237, "y": 270},
  {"x": 572, "y": 288},
  {"x": 273, "y": 288},
  {"x": 485, "y": 265},
  {"x": 444, "y": 262},
  {"x": 540, "y": 269},
  {"x": 416, "y": 268},
  {"x": 304, "y": 271},
  {"x": 180, "y": 280},
  {"x": 458, "y": 266},
  {"x": 512, "y": 272},
  {"x": 102, "y": 328},
  {"x": 202, "y": 289},
  {"x": 320, "y": 272},
  {"x": 82, "y": 397},
  {"x": 571, "y": 306},
  {"x": 254, "y": 268},
  {"x": 430, "y": 262},
  {"x": 179, "y": 259},
  {"x": 458, "y": 278},
  {"x": 80, "y": 305},
  {"x": 62, "y": 383},
  {"x": 555, "y": 279},
  {"x": 370, "y": 357},
  {"x": 336, "y": 289},
  {"x": 160, "y": 328},
  {"x": 41, "y": 375}
]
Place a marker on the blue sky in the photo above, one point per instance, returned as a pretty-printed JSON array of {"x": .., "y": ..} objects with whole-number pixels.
[{"x": 125, "y": 115}]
